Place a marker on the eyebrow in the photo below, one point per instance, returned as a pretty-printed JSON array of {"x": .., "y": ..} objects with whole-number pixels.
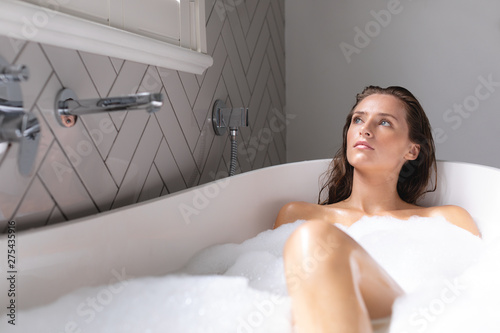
[{"x": 383, "y": 114}]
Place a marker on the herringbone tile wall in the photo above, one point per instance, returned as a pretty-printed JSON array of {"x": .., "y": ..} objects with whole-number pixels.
[{"x": 112, "y": 160}]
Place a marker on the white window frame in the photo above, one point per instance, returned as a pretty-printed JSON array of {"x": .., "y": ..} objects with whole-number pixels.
[{"x": 21, "y": 20}]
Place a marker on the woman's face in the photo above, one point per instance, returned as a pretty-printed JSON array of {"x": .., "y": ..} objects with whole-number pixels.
[{"x": 378, "y": 136}]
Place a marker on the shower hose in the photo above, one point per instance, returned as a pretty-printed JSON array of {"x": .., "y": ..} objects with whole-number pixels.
[{"x": 234, "y": 152}]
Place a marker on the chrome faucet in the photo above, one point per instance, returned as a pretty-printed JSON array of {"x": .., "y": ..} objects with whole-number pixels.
[
  {"x": 229, "y": 118},
  {"x": 68, "y": 106},
  {"x": 16, "y": 124}
]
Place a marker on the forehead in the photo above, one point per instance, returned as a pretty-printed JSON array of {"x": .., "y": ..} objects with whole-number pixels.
[{"x": 378, "y": 103}]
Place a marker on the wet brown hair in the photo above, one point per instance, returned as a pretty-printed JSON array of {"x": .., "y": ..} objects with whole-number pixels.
[{"x": 414, "y": 176}]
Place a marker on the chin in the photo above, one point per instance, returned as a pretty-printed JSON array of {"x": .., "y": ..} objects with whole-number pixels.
[
  {"x": 358, "y": 163},
  {"x": 356, "y": 157}
]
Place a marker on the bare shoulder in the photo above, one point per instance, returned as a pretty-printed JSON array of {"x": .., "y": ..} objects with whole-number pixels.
[
  {"x": 296, "y": 210},
  {"x": 457, "y": 216}
]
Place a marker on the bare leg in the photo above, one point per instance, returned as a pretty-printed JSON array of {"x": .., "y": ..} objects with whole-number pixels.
[{"x": 334, "y": 284}]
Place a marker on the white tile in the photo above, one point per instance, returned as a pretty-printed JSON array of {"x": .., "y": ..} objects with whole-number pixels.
[
  {"x": 274, "y": 60},
  {"x": 258, "y": 92},
  {"x": 267, "y": 162},
  {"x": 280, "y": 148},
  {"x": 243, "y": 16},
  {"x": 259, "y": 54},
  {"x": 71, "y": 72},
  {"x": 35, "y": 208},
  {"x": 273, "y": 92},
  {"x": 236, "y": 65},
  {"x": 214, "y": 26},
  {"x": 200, "y": 78},
  {"x": 139, "y": 166},
  {"x": 56, "y": 216},
  {"x": 281, "y": 4},
  {"x": 222, "y": 171},
  {"x": 191, "y": 86},
  {"x": 203, "y": 146},
  {"x": 236, "y": 30},
  {"x": 212, "y": 160},
  {"x": 164, "y": 191},
  {"x": 151, "y": 82},
  {"x": 279, "y": 15},
  {"x": 127, "y": 83},
  {"x": 117, "y": 64},
  {"x": 203, "y": 103},
  {"x": 232, "y": 86},
  {"x": 10, "y": 47},
  {"x": 251, "y": 6},
  {"x": 276, "y": 34},
  {"x": 278, "y": 144},
  {"x": 101, "y": 71},
  {"x": 209, "y": 7},
  {"x": 265, "y": 108},
  {"x": 256, "y": 23},
  {"x": 177, "y": 143},
  {"x": 276, "y": 55},
  {"x": 181, "y": 106},
  {"x": 64, "y": 185},
  {"x": 265, "y": 142},
  {"x": 168, "y": 169},
  {"x": 123, "y": 149},
  {"x": 280, "y": 85},
  {"x": 101, "y": 130},
  {"x": 40, "y": 70},
  {"x": 259, "y": 159},
  {"x": 273, "y": 154},
  {"x": 153, "y": 186},
  {"x": 261, "y": 132},
  {"x": 80, "y": 149}
]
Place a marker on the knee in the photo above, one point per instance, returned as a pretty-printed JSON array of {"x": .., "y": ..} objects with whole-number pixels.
[{"x": 316, "y": 240}]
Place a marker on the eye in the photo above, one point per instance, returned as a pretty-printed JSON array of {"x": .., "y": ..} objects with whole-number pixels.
[
  {"x": 385, "y": 123},
  {"x": 356, "y": 120}
]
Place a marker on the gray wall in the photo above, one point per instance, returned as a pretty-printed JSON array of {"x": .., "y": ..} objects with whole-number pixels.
[
  {"x": 444, "y": 51},
  {"x": 114, "y": 160}
]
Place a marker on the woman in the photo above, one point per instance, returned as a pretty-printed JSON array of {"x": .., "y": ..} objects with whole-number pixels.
[{"x": 383, "y": 167}]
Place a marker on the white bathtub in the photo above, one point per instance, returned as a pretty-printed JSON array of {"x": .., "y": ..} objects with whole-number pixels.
[{"x": 158, "y": 236}]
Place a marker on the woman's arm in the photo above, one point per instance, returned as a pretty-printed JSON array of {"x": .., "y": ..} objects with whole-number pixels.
[{"x": 457, "y": 216}]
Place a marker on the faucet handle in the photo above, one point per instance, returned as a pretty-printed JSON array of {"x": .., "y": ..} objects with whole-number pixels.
[{"x": 14, "y": 73}]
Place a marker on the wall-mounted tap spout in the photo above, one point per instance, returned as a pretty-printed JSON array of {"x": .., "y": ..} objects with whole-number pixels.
[
  {"x": 68, "y": 106},
  {"x": 17, "y": 125}
]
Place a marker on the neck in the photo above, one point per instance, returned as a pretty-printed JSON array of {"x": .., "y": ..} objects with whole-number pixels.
[{"x": 375, "y": 193}]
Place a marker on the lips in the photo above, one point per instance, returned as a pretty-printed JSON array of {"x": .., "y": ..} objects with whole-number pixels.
[{"x": 363, "y": 145}]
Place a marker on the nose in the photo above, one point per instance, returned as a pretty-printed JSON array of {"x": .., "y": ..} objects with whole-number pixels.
[{"x": 365, "y": 131}]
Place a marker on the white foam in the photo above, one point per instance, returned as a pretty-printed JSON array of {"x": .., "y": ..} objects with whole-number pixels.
[
  {"x": 417, "y": 250},
  {"x": 231, "y": 288},
  {"x": 241, "y": 287}
]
